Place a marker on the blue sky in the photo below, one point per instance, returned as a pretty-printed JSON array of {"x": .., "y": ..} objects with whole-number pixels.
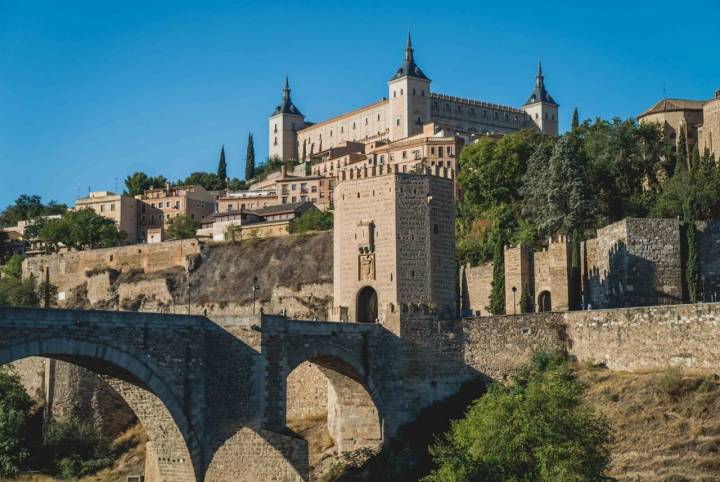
[{"x": 93, "y": 91}]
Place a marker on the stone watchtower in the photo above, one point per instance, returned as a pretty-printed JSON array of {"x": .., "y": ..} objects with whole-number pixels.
[
  {"x": 541, "y": 107},
  {"x": 409, "y": 94},
  {"x": 283, "y": 125},
  {"x": 394, "y": 247}
]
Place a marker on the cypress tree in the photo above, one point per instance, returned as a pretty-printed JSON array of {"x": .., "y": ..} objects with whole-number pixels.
[
  {"x": 304, "y": 153},
  {"x": 681, "y": 158},
  {"x": 222, "y": 166},
  {"x": 695, "y": 159},
  {"x": 692, "y": 266},
  {"x": 575, "y": 120},
  {"x": 497, "y": 293},
  {"x": 250, "y": 159}
]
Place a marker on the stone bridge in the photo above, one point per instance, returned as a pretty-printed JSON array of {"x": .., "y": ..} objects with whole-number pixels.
[{"x": 212, "y": 395}]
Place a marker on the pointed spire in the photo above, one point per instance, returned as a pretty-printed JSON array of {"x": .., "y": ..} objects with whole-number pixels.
[
  {"x": 286, "y": 90},
  {"x": 408, "y": 49},
  {"x": 539, "y": 79}
]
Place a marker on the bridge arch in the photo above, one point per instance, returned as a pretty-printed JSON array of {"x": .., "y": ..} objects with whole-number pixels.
[
  {"x": 348, "y": 398},
  {"x": 174, "y": 451}
]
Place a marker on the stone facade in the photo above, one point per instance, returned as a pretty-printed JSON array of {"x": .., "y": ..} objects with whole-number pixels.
[
  {"x": 72, "y": 269},
  {"x": 121, "y": 208},
  {"x": 476, "y": 284},
  {"x": 634, "y": 262},
  {"x": 394, "y": 240},
  {"x": 710, "y": 129}
]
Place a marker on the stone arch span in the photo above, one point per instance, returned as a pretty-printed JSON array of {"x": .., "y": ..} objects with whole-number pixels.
[
  {"x": 354, "y": 418},
  {"x": 173, "y": 452}
]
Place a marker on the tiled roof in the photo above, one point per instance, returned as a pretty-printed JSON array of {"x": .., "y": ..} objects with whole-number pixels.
[{"x": 670, "y": 105}]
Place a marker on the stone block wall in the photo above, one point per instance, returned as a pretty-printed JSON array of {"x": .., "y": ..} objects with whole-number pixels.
[
  {"x": 634, "y": 262},
  {"x": 69, "y": 270},
  {"x": 476, "y": 286}
]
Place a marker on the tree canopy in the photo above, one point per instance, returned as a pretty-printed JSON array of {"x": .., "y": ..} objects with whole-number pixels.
[
  {"x": 182, "y": 226},
  {"x": 28, "y": 207},
  {"x": 535, "y": 429},
  {"x": 139, "y": 182},
  {"x": 15, "y": 405}
]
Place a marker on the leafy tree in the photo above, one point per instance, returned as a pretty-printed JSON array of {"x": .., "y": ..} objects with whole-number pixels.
[
  {"x": 77, "y": 448},
  {"x": 222, "y": 165},
  {"x": 15, "y": 406},
  {"x": 28, "y": 207},
  {"x": 208, "y": 180},
  {"x": 562, "y": 203},
  {"x": 250, "y": 158},
  {"x": 15, "y": 291},
  {"x": 139, "y": 182},
  {"x": 236, "y": 184},
  {"x": 4, "y": 246},
  {"x": 536, "y": 429},
  {"x": 182, "y": 226},
  {"x": 89, "y": 230},
  {"x": 312, "y": 220}
]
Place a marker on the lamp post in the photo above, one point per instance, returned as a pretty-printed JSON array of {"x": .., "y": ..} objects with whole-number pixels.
[
  {"x": 514, "y": 289},
  {"x": 255, "y": 291}
]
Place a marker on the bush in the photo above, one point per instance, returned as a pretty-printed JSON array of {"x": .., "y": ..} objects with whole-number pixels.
[
  {"x": 312, "y": 220},
  {"x": 77, "y": 448},
  {"x": 536, "y": 429},
  {"x": 671, "y": 382},
  {"x": 15, "y": 405}
]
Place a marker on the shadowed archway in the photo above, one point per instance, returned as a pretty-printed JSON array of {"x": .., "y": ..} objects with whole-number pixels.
[
  {"x": 173, "y": 451},
  {"x": 367, "y": 305},
  {"x": 544, "y": 301}
]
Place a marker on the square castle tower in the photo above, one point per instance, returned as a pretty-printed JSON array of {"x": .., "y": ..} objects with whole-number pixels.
[{"x": 394, "y": 246}]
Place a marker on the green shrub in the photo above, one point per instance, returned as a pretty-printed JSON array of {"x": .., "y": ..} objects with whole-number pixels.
[
  {"x": 77, "y": 448},
  {"x": 15, "y": 405},
  {"x": 536, "y": 429},
  {"x": 312, "y": 220},
  {"x": 671, "y": 382}
]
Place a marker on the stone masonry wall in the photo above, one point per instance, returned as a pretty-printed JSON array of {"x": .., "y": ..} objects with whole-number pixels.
[
  {"x": 629, "y": 339},
  {"x": 68, "y": 270},
  {"x": 476, "y": 283}
]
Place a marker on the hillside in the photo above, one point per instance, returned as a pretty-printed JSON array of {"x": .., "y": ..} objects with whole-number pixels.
[{"x": 666, "y": 428}]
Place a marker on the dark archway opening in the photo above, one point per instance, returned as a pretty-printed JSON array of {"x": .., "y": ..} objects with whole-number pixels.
[
  {"x": 544, "y": 301},
  {"x": 367, "y": 305},
  {"x": 168, "y": 449}
]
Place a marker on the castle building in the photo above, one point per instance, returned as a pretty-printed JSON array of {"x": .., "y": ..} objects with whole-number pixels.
[
  {"x": 709, "y": 131},
  {"x": 409, "y": 106},
  {"x": 121, "y": 208}
]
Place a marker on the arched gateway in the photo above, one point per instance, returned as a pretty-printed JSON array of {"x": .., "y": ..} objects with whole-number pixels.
[{"x": 367, "y": 305}]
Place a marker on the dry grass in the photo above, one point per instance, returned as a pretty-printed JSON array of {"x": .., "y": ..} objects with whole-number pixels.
[{"x": 666, "y": 424}]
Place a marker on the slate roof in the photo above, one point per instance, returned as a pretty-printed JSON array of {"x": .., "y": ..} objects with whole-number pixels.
[
  {"x": 409, "y": 68},
  {"x": 286, "y": 106}
]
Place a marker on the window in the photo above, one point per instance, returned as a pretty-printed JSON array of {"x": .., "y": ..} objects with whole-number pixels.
[
  {"x": 537, "y": 116},
  {"x": 378, "y": 117},
  {"x": 366, "y": 121},
  {"x": 275, "y": 129},
  {"x": 353, "y": 126},
  {"x": 422, "y": 93},
  {"x": 330, "y": 132},
  {"x": 342, "y": 129},
  {"x": 275, "y": 142},
  {"x": 313, "y": 189},
  {"x": 435, "y": 105},
  {"x": 102, "y": 208},
  {"x": 413, "y": 91},
  {"x": 440, "y": 151},
  {"x": 484, "y": 113},
  {"x": 284, "y": 200},
  {"x": 401, "y": 92},
  {"x": 432, "y": 150},
  {"x": 447, "y": 107},
  {"x": 394, "y": 94},
  {"x": 397, "y": 122},
  {"x": 404, "y": 155},
  {"x": 112, "y": 207}
]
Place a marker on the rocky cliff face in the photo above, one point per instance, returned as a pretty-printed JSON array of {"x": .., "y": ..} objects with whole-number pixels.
[{"x": 294, "y": 275}]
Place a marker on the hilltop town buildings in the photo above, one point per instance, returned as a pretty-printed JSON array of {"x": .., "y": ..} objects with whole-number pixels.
[{"x": 121, "y": 208}]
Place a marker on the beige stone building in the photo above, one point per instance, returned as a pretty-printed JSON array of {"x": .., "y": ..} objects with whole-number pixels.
[
  {"x": 263, "y": 222},
  {"x": 673, "y": 115},
  {"x": 394, "y": 247},
  {"x": 158, "y": 206},
  {"x": 120, "y": 208},
  {"x": 409, "y": 105},
  {"x": 709, "y": 131}
]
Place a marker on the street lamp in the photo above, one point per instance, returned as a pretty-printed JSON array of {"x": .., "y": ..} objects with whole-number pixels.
[
  {"x": 255, "y": 290},
  {"x": 514, "y": 289}
]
